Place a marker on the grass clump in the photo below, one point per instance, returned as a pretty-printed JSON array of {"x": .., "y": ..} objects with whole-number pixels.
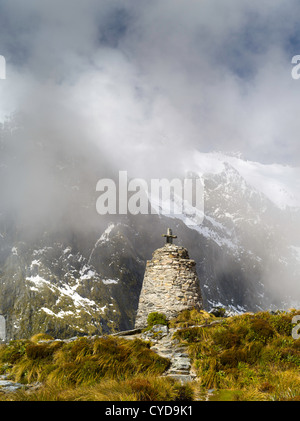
[
  {"x": 41, "y": 337},
  {"x": 81, "y": 362},
  {"x": 245, "y": 357},
  {"x": 252, "y": 355},
  {"x": 187, "y": 318},
  {"x": 138, "y": 388},
  {"x": 12, "y": 353},
  {"x": 106, "y": 368}
]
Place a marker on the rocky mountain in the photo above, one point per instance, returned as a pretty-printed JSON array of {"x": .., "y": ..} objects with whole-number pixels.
[{"x": 84, "y": 276}]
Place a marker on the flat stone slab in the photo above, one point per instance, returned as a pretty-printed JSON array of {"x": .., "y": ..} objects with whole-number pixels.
[
  {"x": 183, "y": 378},
  {"x": 127, "y": 332},
  {"x": 9, "y": 386}
]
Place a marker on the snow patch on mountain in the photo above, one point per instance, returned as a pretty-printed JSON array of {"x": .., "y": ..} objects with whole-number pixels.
[
  {"x": 14, "y": 251},
  {"x": 38, "y": 282},
  {"x": 109, "y": 281},
  {"x": 280, "y": 183},
  {"x": 87, "y": 273},
  {"x": 65, "y": 290},
  {"x": 213, "y": 235},
  {"x": 102, "y": 239}
]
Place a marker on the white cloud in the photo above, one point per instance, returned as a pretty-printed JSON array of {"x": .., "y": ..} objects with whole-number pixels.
[{"x": 152, "y": 79}]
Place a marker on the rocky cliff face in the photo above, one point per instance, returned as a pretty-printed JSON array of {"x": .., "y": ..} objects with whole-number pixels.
[{"x": 53, "y": 289}]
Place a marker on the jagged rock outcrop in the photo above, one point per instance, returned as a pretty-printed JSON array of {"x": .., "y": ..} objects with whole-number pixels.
[{"x": 170, "y": 284}]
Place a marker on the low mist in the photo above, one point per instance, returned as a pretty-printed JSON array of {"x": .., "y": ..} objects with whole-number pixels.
[{"x": 97, "y": 87}]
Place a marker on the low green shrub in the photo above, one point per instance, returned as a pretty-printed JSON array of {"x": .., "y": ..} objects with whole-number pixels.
[
  {"x": 261, "y": 329},
  {"x": 14, "y": 351},
  {"x": 226, "y": 337},
  {"x": 156, "y": 318}
]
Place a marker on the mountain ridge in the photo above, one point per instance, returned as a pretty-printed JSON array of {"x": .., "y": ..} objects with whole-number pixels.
[{"x": 87, "y": 281}]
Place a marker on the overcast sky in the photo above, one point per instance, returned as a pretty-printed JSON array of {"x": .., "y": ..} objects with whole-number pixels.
[{"x": 149, "y": 80}]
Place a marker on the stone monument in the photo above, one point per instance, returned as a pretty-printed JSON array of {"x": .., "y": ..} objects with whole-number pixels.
[{"x": 170, "y": 283}]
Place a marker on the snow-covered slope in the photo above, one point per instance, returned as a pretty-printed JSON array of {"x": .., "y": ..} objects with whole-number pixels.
[
  {"x": 52, "y": 288},
  {"x": 251, "y": 215},
  {"x": 280, "y": 183}
]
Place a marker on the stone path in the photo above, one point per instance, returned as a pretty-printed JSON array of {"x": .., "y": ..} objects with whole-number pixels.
[
  {"x": 164, "y": 345},
  {"x": 7, "y": 385},
  {"x": 180, "y": 368}
]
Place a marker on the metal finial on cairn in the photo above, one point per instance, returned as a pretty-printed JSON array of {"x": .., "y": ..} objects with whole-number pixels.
[{"x": 169, "y": 236}]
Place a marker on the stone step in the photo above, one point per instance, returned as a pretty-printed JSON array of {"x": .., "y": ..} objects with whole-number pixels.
[
  {"x": 180, "y": 368},
  {"x": 181, "y": 355},
  {"x": 181, "y": 365},
  {"x": 167, "y": 353},
  {"x": 171, "y": 372},
  {"x": 183, "y": 378}
]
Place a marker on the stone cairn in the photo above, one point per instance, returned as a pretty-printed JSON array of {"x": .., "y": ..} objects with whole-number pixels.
[{"x": 170, "y": 283}]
